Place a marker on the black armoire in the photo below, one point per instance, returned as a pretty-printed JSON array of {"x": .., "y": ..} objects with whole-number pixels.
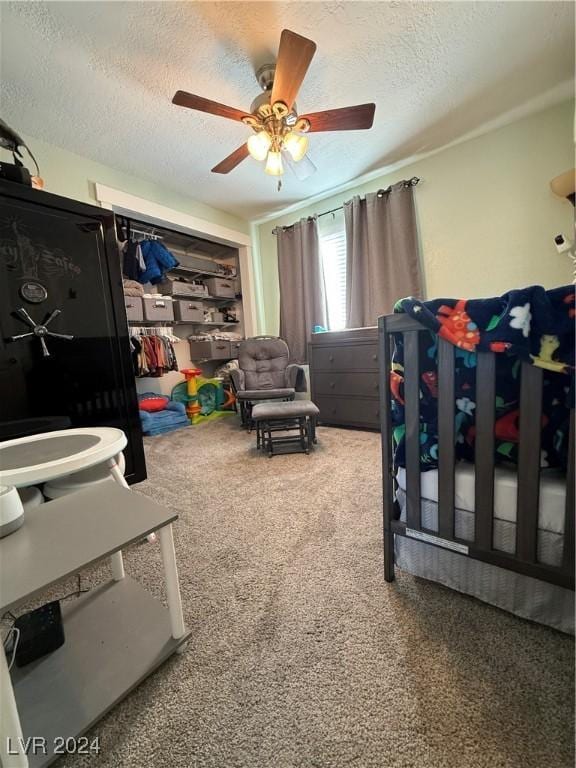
[{"x": 59, "y": 266}]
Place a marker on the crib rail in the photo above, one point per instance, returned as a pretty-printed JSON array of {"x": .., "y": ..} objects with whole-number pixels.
[{"x": 525, "y": 558}]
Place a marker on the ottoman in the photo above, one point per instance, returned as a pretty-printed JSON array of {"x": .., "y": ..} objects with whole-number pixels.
[
  {"x": 248, "y": 397},
  {"x": 285, "y": 424}
]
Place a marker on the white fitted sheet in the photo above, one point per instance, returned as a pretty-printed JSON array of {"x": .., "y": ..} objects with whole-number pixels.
[{"x": 552, "y": 493}]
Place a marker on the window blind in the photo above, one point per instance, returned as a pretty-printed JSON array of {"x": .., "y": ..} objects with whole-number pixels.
[{"x": 333, "y": 254}]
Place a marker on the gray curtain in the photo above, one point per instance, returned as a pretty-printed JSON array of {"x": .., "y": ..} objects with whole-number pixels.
[
  {"x": 382, "y": 263},
  {"x": 302, "y": 296}
]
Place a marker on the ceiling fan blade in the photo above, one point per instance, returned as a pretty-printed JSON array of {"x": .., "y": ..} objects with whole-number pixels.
[
  {"x": 345, "y": 119},
  {"x": 294, "y": 56},
  {"x": 183, "y": 99},
  {"x": 230, "y": 162}
]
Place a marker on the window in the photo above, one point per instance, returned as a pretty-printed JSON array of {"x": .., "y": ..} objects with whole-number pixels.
[{"x": 333, "y": 255}]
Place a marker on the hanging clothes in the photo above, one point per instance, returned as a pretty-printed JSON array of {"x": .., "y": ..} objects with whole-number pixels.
[
  {"x": 152, "y": 355},
  {"x": 158, "y": 260},
  {"x": 133, "y": 264}
]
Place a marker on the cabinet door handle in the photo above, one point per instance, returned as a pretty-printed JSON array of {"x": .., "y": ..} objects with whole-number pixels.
[
  {"x": 331, "y": 358},
  {"x": 375, "y": 357},
  {"x": 331, "y": 385}
]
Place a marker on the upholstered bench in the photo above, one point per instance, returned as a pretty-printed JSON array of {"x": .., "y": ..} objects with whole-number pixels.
[{"x": 271, "y": 419}]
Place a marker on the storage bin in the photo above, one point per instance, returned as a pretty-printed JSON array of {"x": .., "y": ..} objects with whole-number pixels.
[
  {"x": 195, "y": 262},
  {"x": 180, "y": 288},
  {"x": 217, "y": 317},
  {"x": 134, "y": 312},
  {"x": 210, "y": 350},
  {"x": 234, "y": 349},
  {"x": 221, "y": 287},
  {"x": 158, "y": 309},
  {"x": 189, "y": 311}
]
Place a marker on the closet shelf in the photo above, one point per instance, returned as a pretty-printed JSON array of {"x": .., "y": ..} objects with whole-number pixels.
[
  {"x": 192, "y": 322},
  {"x": 169, "y": 323},
  {"x": 200, "y": 273},
  {"x": 223, "y": 299}
]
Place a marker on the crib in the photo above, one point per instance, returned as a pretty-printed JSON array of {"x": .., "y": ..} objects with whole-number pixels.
[{"x": 407, "y": 520}]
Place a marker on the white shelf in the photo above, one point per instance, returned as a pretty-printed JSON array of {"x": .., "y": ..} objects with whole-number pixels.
[{"x": 116, "y": 635}]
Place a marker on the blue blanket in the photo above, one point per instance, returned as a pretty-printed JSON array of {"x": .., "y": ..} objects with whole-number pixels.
[{"x": 529, "y": 324}]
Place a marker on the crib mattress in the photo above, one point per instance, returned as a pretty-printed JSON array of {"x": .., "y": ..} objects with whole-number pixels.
[{"x": 552, "y": 494}]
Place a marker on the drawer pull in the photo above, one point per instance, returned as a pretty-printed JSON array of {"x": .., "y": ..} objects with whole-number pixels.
[
  {"x": 331, "y": 358},
  {"x": 129, "y": 306},
  {"x": 332, "y": 385}
]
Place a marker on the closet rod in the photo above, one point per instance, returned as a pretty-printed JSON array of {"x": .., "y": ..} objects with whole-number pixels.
[{"x": 149, "y": 235}]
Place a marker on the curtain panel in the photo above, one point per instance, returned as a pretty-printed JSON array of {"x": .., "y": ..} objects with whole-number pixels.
[
  {"x": 382, "y": 263},
  {"x": 302, "y": 295}
]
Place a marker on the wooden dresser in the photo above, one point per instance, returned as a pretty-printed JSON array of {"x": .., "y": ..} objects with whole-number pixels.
[{"x": 344, "y": 377}]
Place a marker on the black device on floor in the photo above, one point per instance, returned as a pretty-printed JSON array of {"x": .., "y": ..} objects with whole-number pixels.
[{"x": 41, "y": 632}]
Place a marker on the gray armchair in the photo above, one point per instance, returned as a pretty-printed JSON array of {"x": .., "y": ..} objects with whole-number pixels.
[{"x": 265, "y": 374}]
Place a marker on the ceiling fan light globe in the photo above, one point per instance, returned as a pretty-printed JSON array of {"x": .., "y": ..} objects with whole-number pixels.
[
  {"x": 259, "y": 144},
  {"x": 274, "y": 165},
  {"x": 296, "y": 145}
]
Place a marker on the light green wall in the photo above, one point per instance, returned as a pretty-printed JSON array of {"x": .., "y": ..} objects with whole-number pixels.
[
  {"x": 71, "y": 175},
  {"x": 486, "y": 215}
]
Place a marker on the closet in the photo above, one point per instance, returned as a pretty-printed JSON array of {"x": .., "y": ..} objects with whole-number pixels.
[{"x": 197, "y": 304}]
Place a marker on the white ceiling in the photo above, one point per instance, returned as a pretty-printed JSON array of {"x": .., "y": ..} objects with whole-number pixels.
[{"x": 98, "y": 78}]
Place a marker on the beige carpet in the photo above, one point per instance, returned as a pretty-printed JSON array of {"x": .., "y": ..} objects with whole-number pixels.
[{"x": 301, "y": 655}]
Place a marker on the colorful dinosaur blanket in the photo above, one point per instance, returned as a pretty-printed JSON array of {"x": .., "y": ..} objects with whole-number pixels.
[{"x": 530, "y": 324}]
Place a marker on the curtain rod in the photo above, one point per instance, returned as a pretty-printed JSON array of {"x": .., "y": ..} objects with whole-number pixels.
[{"x": 380, "y": 193}]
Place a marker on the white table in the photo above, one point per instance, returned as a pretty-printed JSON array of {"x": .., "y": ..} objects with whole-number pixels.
[
  {"x": 40, "y": 458},
  {"x": 116, "y": 634}
]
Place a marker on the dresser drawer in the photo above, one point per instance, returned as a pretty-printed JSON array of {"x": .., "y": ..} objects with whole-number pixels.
[
  {"x": 345, "y": 357},
  {"x": 350, "y": 411},
  {"x": 346, "y": 383}
]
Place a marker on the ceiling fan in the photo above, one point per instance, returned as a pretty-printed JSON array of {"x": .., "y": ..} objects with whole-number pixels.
[{"x": 278, "y": 130}]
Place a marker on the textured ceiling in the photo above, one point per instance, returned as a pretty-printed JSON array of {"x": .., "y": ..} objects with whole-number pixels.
[{"x": 98, "y": 78}]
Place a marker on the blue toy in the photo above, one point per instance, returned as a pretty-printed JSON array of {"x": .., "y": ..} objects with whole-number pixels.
[{"x": 171, "y": 416}]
